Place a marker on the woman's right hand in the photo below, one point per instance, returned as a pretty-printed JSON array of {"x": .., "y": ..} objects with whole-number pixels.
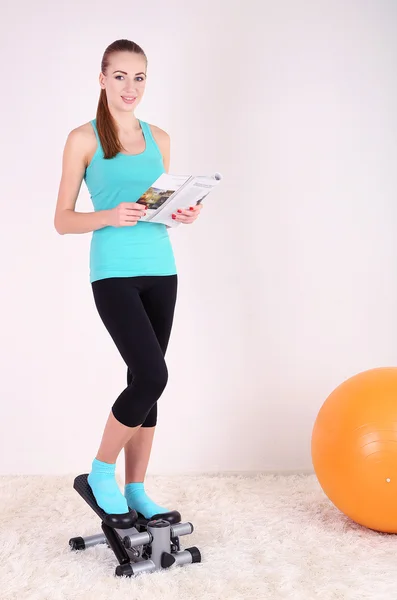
[{"x": 126, "y": 214}]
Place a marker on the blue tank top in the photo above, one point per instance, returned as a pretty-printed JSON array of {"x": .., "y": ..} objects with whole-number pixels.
[{"x": 145, "y": 248}]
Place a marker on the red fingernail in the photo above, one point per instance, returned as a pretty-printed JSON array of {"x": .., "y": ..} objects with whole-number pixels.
[
  {"x": 179, "y": 210},
  {"x": 191, "y": 208},
  {"x": 174, "y": 216}
]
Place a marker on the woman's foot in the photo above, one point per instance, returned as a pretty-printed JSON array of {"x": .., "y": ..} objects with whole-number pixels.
[
  {"x": 105, "y": 488},
  {"x": 138, "y": 500}
]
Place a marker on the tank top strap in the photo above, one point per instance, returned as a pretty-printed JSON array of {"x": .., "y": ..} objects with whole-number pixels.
[
  {"x": 93, "y": 123},
  {"x": 150, "y": 141},
  {"x": 99, "y": 146}
]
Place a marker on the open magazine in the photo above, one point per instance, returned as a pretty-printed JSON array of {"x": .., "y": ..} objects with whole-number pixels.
[{"x": 170, "y": 192}]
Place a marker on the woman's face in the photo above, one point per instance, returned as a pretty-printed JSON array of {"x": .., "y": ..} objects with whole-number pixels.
[{"x": 125, "y": 80}]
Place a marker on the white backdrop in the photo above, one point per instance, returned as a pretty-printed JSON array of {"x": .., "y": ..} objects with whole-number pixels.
[{"x": 287, "y": 282}]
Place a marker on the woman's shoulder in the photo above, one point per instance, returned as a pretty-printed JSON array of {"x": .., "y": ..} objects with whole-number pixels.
[
  {"x": 83, "y": 131},
  {"x": 81, "y": 141},
  {"x": 161, "y": 137},
  {"x": 83, "y": 136}
]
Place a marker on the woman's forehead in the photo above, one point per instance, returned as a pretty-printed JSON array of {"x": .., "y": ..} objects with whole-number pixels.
[{"x": 130, "y": 62}]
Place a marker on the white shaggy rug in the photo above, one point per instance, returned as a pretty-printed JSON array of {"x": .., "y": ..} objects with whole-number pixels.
[{"x": 261, "y": 537}]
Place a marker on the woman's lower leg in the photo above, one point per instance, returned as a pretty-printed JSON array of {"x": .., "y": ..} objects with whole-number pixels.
[
  {"x": 114, "y": 438},
  {"x": 102, "y": 478},
  {"x": 137, "y": 454}
]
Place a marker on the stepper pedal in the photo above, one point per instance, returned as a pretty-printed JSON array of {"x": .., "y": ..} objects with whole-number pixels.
[
  {"x": 173, "y": 517},
  {"x": 117, "y": 521}
]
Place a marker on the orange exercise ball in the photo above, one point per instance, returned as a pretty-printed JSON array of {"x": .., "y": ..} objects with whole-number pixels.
[{"x": 354, "y": 448}]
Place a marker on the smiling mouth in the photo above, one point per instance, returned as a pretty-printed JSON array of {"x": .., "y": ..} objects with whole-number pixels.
[{"x": 129, "y": 99}]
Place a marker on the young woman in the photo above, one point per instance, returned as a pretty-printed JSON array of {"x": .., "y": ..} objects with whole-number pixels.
[{"x": 132, "y": 267}]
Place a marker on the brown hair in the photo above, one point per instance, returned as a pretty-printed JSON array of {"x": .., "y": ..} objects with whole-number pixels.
[{"x": 104, "y": 121}]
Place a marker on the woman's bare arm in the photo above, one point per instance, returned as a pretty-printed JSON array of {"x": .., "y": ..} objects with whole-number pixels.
[{"x": 67, "y": 220}]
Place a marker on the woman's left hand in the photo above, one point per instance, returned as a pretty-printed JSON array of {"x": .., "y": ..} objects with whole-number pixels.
[{"x": 187, "y": 215}]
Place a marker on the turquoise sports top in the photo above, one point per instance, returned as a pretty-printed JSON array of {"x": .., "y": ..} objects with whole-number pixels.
[{"x": 127, "y": 251}]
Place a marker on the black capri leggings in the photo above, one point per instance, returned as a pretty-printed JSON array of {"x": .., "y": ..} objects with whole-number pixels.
[{"x": 138, "y": 313}]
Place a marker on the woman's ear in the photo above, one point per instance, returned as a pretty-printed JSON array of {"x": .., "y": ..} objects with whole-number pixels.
[{"x": 102, "y": 80}]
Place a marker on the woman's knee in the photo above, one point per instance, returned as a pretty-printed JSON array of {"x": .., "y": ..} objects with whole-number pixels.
[
  {"x": 158, "y": 378},
  {"x": 138, "y": 398},
  {"x": 153, "y": 379}
]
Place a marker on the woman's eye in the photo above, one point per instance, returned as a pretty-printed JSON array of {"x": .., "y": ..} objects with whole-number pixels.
[{"x": 137, "y": 78}]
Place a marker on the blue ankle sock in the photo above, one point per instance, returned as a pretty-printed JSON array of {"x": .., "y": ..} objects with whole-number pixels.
[
  {"x": 105, "y": 488},
  {"x": 139, "y": 501}
]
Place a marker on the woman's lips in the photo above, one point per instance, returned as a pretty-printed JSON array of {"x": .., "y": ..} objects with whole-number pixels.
[{"x": 129, "y": 99}]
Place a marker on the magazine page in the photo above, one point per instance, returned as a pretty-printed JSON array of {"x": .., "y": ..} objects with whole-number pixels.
[
  {"x": 193, "y": 192},
  {"x": 160, "y": 192}
]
